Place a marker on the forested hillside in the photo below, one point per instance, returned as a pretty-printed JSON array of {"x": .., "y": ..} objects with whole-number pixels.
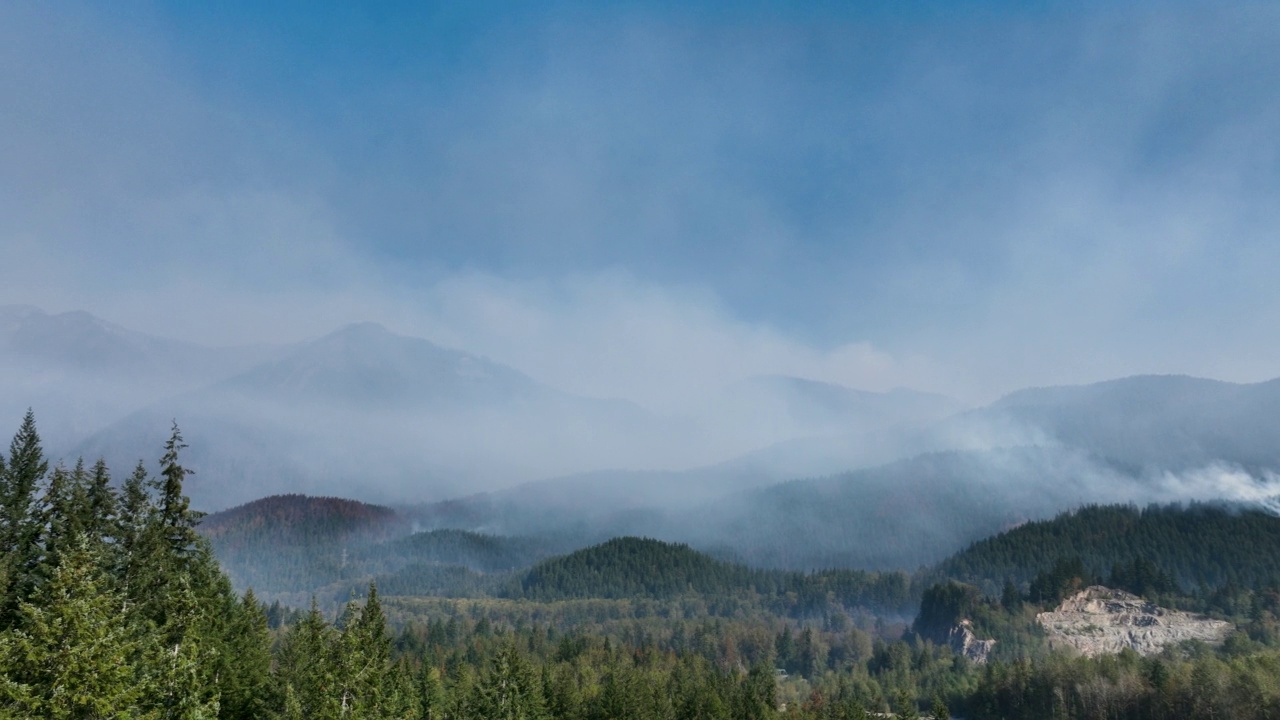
[
  {"x": 294, "y": 520},
  {"x": 113, "y": 606},
  {"x": 296, "y": 543},
  {"x": 1198, "y": 547},
  {"x": 292, "y": 547},
  {"x": 899, "y": 516},
  {"x": 644, "y": 568},
  {"x": 634, "y": 567}
]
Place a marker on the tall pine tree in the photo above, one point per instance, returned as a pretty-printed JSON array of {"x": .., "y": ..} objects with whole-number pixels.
[{"x": 20, "y": 522}]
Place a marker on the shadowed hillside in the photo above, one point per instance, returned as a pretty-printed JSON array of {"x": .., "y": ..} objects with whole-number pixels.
[{"x": 1197, "y": 547}]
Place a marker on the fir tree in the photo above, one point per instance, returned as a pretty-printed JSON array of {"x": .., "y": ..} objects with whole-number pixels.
[
  {"x": 74, "y": 654},
  {"x": 509, "y": 690},
  {"x": 369, "y": 684},
  {"x": 306, "y": 668},
  {"x": 57, "y": 524},
  {"x": 182, "y": 657},
  {"x": 19, "y": 517},
  {"x": 134, "y": 516},
  {"x": 177, "y": 519},
  {"x": 102, "y": 504},
  {"x": 246, "y": 685},
  {"x": 432, "y": 699},
  {"x": 758, "y": 698}
]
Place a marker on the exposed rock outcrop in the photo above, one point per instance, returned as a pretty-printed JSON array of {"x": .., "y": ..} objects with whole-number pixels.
[
  {"x": 1100, "y": 621},
  {"x": 964, "y": 642}
]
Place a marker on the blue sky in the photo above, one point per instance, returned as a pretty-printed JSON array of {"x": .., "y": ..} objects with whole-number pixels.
[{"x": 964, "y": 197}]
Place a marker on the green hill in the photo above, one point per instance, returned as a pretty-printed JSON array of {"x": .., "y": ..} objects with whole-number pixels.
[
  {"x": 300, "y": 545},
  {"x": 630, "y": 567},
  {"x": 633, "y": 567},
  {"x": 296, "y": 543},
  {"x": 293, "y": 520},
  {"x": 1201, "y": 546}
]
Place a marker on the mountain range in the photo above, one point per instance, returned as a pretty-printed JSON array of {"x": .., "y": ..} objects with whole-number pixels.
[
  {"x": 778, "y": 471},
  {"x": 368, "y": 412}
]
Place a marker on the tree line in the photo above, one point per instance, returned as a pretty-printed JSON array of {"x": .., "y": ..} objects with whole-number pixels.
[{"x": 113, "y": 606}]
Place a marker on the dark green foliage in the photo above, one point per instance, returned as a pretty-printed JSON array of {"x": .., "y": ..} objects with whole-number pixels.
[
  {"x": 76, "y": 654},
  {"x": 120, "y": 608},
  {"x": 328, "y": 673},
  {"x": 431, "y": 696},
  {"x": 307, "y": 668},
  {"x": 758, "y": 697},
  {"x": 1065, "y": 578},
  {"x": 102, "y": 505},
  {"x": 1201, "y": 545},
  {"x": 1140, "y": 576},
  {"x": 942, "y": 608},
  {"x": 122, "y": 612},
  {"x": 248, "y": 691},
  {"x": 175, "y": 521},
  {"x": 510, "y": 690},
  {"x": 20, "y": 520},
  {"x": 633, "y": 567},
  {"x": 641, "y": 567}
]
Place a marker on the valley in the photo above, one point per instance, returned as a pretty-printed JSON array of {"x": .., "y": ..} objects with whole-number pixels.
[
  {"x": 873, "y": 552},
  {"x": 690, "y": 360}
]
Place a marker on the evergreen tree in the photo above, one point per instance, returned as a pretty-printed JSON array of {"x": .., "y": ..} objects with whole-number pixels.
[
  {"x": 758, "y": 698},
  {"x": 905, "y": 705},
  {"x": 306, "y": 669},
  {"x": 131, "y": 524},
  {"x": 103, "y": 504},
  {"x": 183, "y": 657},
  {"x": 19, "y": 517},
  {"x": 509, "y": 690},
  {"x": 169, "y": 560},
  {"x": 74, "y": 654},
  {"x": 65, "y": 516},
  {"x": 7, "y": 565},
  {"x": 432, "y": 699},
  {"x": 57, "y": 522},
  {"x": 176, "y": 518},
  {"x": 370, "y": 686},
  {"x": 246, "y": 687},
  {"x": 179, "y": 588},
  {"x": 78, "y": 509}
]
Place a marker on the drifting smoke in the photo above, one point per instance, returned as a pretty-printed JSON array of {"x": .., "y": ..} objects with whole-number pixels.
[{"x": 1222, "y": 481}]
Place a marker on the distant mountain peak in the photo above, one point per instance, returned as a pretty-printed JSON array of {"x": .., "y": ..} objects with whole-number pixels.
[
  {"x": 366, "y": 363},
  {"x": 1137, "y": 387},
  {"x": 365, "y": 328}
]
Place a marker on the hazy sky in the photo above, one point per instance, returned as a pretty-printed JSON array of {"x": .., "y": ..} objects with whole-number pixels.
[{"x": 640, "y": 199}]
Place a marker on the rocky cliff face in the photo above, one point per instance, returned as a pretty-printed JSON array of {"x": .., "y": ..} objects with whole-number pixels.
[
  {"x": 1098, "y": 621},
  {"x": 964, "y": 642}
]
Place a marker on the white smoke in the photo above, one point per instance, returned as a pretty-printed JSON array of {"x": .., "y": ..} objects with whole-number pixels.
[{"x": 1222, "y": 481}]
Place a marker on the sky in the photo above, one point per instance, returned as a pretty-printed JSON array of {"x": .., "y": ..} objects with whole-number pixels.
[{"x": 643, "y": 200}]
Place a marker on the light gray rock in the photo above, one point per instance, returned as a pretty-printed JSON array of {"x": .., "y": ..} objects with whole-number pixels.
[
  {"x": 964, "y": 642},
  {"x": 1101, "y": 621}
]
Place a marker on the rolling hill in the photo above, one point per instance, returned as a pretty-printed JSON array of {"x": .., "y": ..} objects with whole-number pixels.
[{"x": 1196, "y": 546}]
